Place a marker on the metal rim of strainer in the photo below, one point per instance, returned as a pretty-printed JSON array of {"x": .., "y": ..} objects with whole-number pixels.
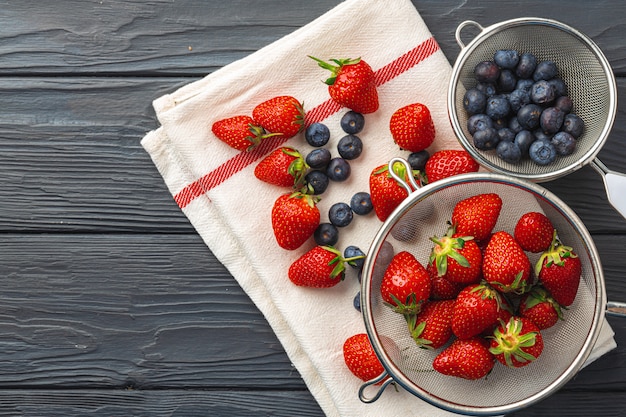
[
  {"x": 549, "y": 172},
  {"x": 393, "y": 373}
]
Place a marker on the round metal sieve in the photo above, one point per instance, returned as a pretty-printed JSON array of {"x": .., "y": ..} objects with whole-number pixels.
[
  {"x": 590, "y": 83},
  {"x": 567, "y": 345}
]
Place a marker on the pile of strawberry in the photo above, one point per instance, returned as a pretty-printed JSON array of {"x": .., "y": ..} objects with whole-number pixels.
[
  {"x": 295, "y": 215},
  {"x": 478, "y": 298}
]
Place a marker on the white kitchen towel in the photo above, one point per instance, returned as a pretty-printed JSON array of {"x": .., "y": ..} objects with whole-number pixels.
[{"x": 215, "y": 187}]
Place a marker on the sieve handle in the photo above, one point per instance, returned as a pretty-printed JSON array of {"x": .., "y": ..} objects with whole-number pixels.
[
  {"x": 615, "y": 185},
  {"x": 615, "y": 309},
  {"x": 462, "y": 26},
  {"x": 382, "y": 377},
  {"x": 402, "y": 181}
]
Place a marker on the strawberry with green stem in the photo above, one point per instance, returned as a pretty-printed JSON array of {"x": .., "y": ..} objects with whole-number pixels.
[
  {"x": 476, "y": 308},
  {"x": 282, "y": 115},
  {"x": 505, "y": 264},
  {"x": 295, "y": 217},
  {"x": 352, "y": 84},
  {"x": 559, "y": 270},
  {"x": 517, "y": 343},
  {"x": 540, "y": 307},
  {"x": 320, "y": 267},
  {"x": 457, "y": 257},
  {"x": 284, "y": 167},
  {"x": 431, "y": 328},
  {"x": 405, "y": 285},
  {"x": 240, "y": 132}
]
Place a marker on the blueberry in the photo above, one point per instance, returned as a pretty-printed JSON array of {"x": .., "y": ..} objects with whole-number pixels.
[
  {"x": 507, "y": 81},
  {"x": 546, "y": 70},
  {"x": 497, "y": 107},
  {"x": 542, "y": 93},
  {"x": 317, "y": 181},
  {"x": 541, "y": 135},
  {"x": 524, "y": 84},
  {"x": 417, "y": 160},
  {"x": 523, "y": 140},
  {"x": 526, "y": 65},
  {"x": 564, "y": 103},
  {"x": 506, "y": 58},
  {"x": 361, "y": 203},
  {"x": 528, "y": 116},
  {"x": 350, "y": 147},
  {"x": 509, "y": 152},
  {"x": 542, "y": 152},
  {"x": 488, "y": 89},
  {"x": 564, "y": 143},
  {"x": 356, "y": 301},
  {"x": 318, "y": 158},
  {"x": 478, "y": 122},
  {"x": 514, "y": 125},
  {"x": 559, "y": 87},
  {"x": 338, "y": 169},
  {"x": 506, "y": 135},
  {"x": 574, "y": 125},
  {"x": 518, "y": 98},
  {"x": 474, "y": 101},
  {"x": 317, "y": 134},
  {"x": 340, "y": 214},
  {"x": 486, "y": 139},
  {"x": 352, "y": 122},
  {"x": 326, "y": 234},
  {"x": 353, "y": 252},
  {"x": 551, "y": 120},
  {"x": 487, "y": 72}
]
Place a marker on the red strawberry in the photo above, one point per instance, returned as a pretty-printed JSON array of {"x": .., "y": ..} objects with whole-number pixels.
[
  {"x": 385, "y": 192},
  {"x": 405, "y": 284},
  {"x": 505, "y": 264},
  {"x": 534, "y": 231},
  {"x": 432, "y": 327},
  {"x": 477, "y": 215},
  {"x": 468, "y": 359},
  {"x": 352, "y": 84},
  {"x": 440, "y": 287},
  {"x": 240, "y": 132},
  {"x": 281, "y": 114},
  {"x": 457, "y": 257},
  {"x": 320, "y": 267},
  {"x": 412, "y": 127},
  {"x": 448, "y": 162},
  {"x": 517, "y": 342},
  {"x": 294, "y": 219},
  {"x": 540, "y": 308},
  {"x": 360, "y": 358},
  {"x": 284, "y": 167},
  {"x": 476, "y": 308},
  {"x": 559, "y": 270}
]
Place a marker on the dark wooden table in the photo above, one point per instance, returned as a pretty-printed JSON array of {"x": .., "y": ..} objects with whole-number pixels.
[{"x": 111, "y": 305}]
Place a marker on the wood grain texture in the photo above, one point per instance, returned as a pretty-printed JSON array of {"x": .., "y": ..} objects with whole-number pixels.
[{"x": 111, "y": 303}]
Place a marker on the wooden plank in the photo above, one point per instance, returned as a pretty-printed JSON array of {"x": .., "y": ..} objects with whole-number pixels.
[
  {"x": 159, "y": 311},
  {"x": 159, "y": 403},
  {"x": 70, "y": 159},
  {"x": 188, "y": 37}
]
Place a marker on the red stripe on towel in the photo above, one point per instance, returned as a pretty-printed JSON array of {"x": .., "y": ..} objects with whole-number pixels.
[{"x": 317, "y": 114}]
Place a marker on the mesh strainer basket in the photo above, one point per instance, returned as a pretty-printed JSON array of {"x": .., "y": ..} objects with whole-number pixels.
[
  {"x": 567, "y": 345},
  {"x": 586, "y": 72}
]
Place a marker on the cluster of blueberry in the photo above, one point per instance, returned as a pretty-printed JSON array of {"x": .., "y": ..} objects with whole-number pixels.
[
  {"x": 521, "y": 108},
  {"x": 325, "y": 168}
]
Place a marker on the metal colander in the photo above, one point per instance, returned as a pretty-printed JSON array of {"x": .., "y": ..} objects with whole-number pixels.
[
  {"x": 583, "y": 67},
  {"x": 567, "y": 345}
]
